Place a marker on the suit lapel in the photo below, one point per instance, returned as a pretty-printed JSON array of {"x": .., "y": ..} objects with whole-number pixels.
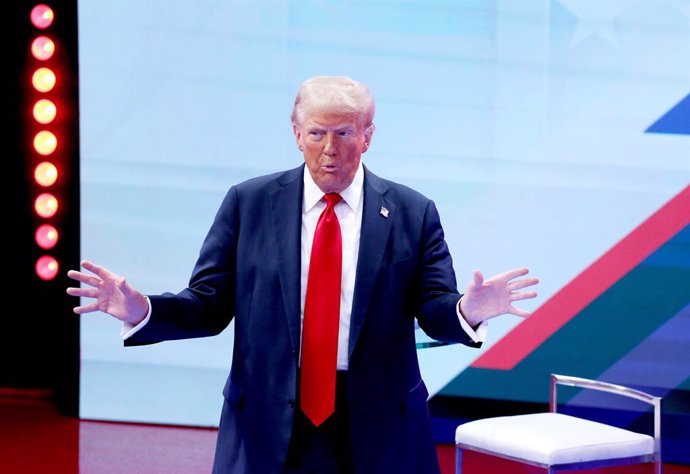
[
  {"x": 377, "y": 217},
  {"x": 286, "y": 222}
]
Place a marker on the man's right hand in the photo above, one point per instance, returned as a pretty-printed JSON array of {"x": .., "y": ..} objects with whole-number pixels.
[{"x": 112, "y": 294}]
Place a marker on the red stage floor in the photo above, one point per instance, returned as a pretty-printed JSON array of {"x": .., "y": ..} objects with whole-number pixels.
[{"x": 36, "y": 438}]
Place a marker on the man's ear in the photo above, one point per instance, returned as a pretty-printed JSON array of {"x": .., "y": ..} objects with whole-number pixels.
[
  {"x": 298, "y": 136},
  {"x": 368, "y": 133}
]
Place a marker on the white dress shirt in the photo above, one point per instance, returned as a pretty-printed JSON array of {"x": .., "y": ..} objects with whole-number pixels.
[{"x": 349, "y": 212}]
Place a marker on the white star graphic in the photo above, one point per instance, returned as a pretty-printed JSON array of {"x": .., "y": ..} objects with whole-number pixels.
[
  {"x": 596, "y": 17},
  {"x": 683, "y": 7}
]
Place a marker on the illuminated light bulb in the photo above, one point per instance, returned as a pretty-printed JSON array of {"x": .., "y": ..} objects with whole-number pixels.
[
  {"x": 42, "y": 48},
  {"x": 46, "y": 205},
  {"x": 43, "y": 79},
  {"x": 45, "y": 174},
  {"x": 44, "y": 111},
  {"x": 45, "y": 142},
  {"x": 46, "y": 236},
  {"x": 47, "y": 267},
  {"x": 42, "y": 16}
]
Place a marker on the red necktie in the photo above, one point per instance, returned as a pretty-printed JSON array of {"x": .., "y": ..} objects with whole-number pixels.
[{"x": 321, "y": 317}]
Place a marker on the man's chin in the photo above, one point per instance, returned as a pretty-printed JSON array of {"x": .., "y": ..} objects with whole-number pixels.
[{"x": 330, "y": 183}]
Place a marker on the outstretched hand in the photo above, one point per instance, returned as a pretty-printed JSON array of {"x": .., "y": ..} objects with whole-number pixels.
[
  {"x": 485, "y": 299},
  {"x": 112, "y": 294}
]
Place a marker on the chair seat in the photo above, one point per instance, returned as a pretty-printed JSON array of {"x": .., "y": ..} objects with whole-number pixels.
[{"x": 551, "y": 438}]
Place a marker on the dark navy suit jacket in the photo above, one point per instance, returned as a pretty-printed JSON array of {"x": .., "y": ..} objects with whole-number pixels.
[{"x": 249, "y": 269}]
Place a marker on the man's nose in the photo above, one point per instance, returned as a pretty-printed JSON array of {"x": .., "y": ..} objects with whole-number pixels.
[{"x": 329, "y": 146}]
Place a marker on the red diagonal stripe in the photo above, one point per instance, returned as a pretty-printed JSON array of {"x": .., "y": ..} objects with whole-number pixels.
[{"x": 588, "y": 285}]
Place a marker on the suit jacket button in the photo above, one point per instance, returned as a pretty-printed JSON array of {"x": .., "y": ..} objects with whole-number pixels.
[{"x": 291, "y": 403}]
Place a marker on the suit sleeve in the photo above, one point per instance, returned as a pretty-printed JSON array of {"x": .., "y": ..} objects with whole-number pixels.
[
  {"x": 207, "y": 305},
  {"x": 438, "y": 291}
]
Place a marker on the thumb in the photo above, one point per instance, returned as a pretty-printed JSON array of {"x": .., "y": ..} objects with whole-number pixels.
[{"x": 478, "y": 279}]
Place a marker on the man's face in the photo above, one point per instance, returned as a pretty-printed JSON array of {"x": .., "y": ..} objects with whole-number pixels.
[{"x": 332, "y": 143}]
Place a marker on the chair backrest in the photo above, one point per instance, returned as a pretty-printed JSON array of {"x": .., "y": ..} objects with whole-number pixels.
[{"x": 616, "y": 390}]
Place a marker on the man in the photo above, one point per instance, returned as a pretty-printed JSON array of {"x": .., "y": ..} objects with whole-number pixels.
[{"x": 259, "y": 264}]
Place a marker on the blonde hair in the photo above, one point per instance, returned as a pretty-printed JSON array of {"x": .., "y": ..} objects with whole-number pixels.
[{"x": 339, "y": 93}]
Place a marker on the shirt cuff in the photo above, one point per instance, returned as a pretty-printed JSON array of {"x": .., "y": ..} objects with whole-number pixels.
[
  {"x": 477, "y": 335},
  {"x": 129, "y": 329}
]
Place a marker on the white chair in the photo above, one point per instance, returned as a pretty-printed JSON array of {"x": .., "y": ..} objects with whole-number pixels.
[{"x": 558, "y": 442}]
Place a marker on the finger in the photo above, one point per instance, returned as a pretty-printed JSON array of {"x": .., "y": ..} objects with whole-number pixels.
[
  {"x": 75, "y": 275},
  {"x": 516, "y": 285},
  {"x": 519, "y": 312},
  {"x": 523, "y": 295},
  {"x": 102, "y": 272},
  {"x": 87, "y": 308},
  {"x": 82, "y": 292},
  {"x": 508, "y": 275},
  {"x": 84, "y": 278},
  {"x": 514, "y": 273}
]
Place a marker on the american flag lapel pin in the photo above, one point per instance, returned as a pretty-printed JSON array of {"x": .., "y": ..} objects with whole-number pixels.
[{"x": 384, "y": 212}]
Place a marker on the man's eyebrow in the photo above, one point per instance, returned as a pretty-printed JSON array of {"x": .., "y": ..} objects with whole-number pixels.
[{"x": 337, "y": 127}]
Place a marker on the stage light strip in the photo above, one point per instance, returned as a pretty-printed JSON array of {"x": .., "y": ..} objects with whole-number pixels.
[{"x": 45, "y": 142}]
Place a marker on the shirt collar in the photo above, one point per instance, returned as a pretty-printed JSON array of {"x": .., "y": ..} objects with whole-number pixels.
[{"x": 352, "y": 195}]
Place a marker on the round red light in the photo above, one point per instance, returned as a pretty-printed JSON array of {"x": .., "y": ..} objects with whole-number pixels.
[
  {"x": 45, "y": 142},
  {"x": 46, "y": 236},
  {"x": 42, "y": 48},
  {"x": 46, "y": 205},
  {"x": 43, "y": 79},
  {"x": 45, "y": 174},
  {"x": 45, "y": 111},
  {"x": 42, "y": 16},
  {"x": 47, "y": 267}
]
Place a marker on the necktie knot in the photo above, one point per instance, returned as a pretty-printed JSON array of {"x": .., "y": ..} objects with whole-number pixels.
[{"x": 332, "y": 199}]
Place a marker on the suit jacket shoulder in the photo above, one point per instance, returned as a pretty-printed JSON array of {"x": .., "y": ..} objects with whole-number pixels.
[
  {"x": 269, "y": 182},
  {"x": 383, "y": 186}
]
